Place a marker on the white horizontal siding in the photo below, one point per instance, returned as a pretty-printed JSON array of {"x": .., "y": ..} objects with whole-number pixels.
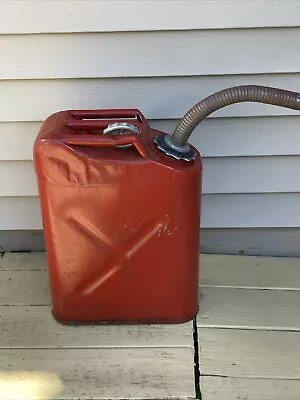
[
  {"x": 218, "y": 211},
  {"x": 128, "y": 54},
  {"x": 161, "y": 57},
  {"x": 256, "y": 136},
  {"x": 214, "y": 137},
  {"x": 131, "y": 15},
  {"x": 220, "y": 175},
  {"x": 18, "y": 213},
  {"x": 156, "y": 97},
  {"x": 250, "y": 210},
  {"x": 17, "y": 140},
  {"x": 251, "y": 175}
]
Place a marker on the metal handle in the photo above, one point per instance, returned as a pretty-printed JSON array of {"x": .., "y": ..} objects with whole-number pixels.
[
  {"x": 129, "y": 113},
  {"x": 118, "y": 133},
  {"x": 106, "y": 141},
  {"x": 79, "y": 124}
]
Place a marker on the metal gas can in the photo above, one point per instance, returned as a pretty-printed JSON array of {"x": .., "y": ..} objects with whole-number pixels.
[{"x": 121, "y": 220}]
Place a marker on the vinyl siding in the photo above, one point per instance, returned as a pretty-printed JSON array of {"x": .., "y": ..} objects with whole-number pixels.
[{"x": 102, "y": 54}]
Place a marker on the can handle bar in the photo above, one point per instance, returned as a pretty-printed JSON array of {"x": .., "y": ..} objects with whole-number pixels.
[
  {"x": 106, "y": 141},
  {"x": 129, "y": 113}
]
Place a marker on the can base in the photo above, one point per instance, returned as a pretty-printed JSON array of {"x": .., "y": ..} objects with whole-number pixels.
[{"x": 156, "y": 321}]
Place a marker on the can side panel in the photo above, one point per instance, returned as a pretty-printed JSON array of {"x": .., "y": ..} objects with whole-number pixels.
[{"x": 130, "y": 255}]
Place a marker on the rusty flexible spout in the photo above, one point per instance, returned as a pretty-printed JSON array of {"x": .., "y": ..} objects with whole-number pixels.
[{"x": 176, "y": 145}]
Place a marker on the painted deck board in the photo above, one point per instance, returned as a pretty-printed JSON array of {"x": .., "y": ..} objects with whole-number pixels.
[
  {"x": 255, "y": 354},
  {"x": 249, "y": 309},
  {"x": 249, "y": 337},
  {"x": 111, "y": 373},
  {"x": 227, "y": 388},
  {"x": 24, "y": 287},
  {"x": 23, "y": 262},
  {"x": 219, "y": 306},
  {"x": 34, "y": 327},
  {"x": 215, "y": 270},
  {"x": 250, "y": 272}
]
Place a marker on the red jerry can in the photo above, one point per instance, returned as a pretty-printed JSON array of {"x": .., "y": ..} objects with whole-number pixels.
[{"x": 121, "y": 220}]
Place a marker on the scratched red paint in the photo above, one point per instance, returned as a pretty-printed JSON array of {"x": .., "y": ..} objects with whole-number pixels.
[{"x": 121, "y": 224}]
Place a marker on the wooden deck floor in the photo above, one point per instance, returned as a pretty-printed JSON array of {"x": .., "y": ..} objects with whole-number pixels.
[{"x": 249, "y": 335}]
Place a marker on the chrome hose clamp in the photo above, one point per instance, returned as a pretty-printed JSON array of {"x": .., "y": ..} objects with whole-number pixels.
[{"x": 167, "y": 146}]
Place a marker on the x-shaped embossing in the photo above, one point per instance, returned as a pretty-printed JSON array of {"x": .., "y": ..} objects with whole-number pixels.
[{"x": 119, "y": 256}]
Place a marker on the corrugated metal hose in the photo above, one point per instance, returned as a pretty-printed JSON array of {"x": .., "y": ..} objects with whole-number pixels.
[{"x": 223, "y": 98}]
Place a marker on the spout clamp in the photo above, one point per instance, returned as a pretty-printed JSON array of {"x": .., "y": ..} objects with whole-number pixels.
[{"x": 165, "y": 144}]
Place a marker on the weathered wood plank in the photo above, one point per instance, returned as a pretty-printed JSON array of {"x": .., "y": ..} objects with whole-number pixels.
[
  {"x": 233, "y": 353},
  {"x": 249, "y": 309},
  {"x": 219, "y": 307},
  {"x": 238, "y": 354},
  {"x": 29, "y": 385},
  {"x": 107, "y": 16},
  {"x": 157, "y": 52},
  {"x": 35, "y": 327},
  {"x": 20, "y": 240},
  {"x": 251, "y": 272},
  {"x": 35, "y": 261},
  {"x": 214, "y": 137},
  {"x": 32, "y": 326},
  {"x": 156, "y": 97},
  {"x": 24, "y": 288},
  {"x": 110, "y": 373},
  {"x": 215, "y": 269},
  {"x": 216, "y": 388},
  {"x": 244, "y": 353}
]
